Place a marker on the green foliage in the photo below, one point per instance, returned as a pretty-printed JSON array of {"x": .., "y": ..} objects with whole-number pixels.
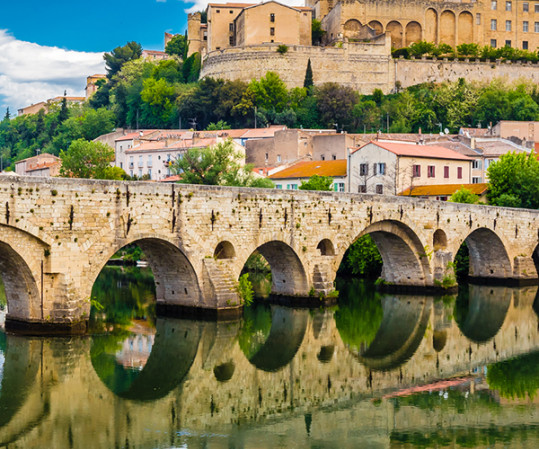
[
  {"x": 335, "y": 104},
  {"x": 86, "y": 159},
  {"x": 178, "y": 46},
  {"x": 317, "y": 33},
  {"x": 514, "y": 181},
  {"x": 464, "y": 195},
  {"x": 462, "y": 262},
  {"x": 119, "y": 56},
  {"x": 308, "y": 82},
  {"x": 515, "y": 378},
  {"x": 218, "y": 165},
  {"x": 191, "y": 68},
  {"x": 282, "y": 49},
  {"x": 362, "y": 259},
  {"x": 245, "y": 289},
  {"x": 255, "y": 329},
  {"x": 221, "y": 124},
  {"x": 316, "y": 182}
]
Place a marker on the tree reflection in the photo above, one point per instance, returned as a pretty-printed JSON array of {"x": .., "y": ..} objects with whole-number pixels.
[{"x": 515, "y": 378}]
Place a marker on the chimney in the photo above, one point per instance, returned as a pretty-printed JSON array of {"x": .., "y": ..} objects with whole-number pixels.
[{"x": 472, "y": 143}]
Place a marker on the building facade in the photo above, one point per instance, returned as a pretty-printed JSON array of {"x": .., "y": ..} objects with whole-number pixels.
[{"x": 496, "y": 23}]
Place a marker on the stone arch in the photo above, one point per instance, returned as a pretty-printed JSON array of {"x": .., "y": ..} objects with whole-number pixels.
[
  {"x": 176, "y": 281},
  {"x": 224, "y": 250},
  {"x": 439, "y": 240},
  {"x": 376, "y": 26},
  {"x": 285, "y": 337},
  {"x": 447, "y": 27},
  {"x": 287, "y": 271},
  {"x": 21, "y": 287},
  {"x": 326, "y": 248},
  {"x": 535, "y": 258},
  {"x": 439, "y": 339},
  {"x": 413, "y": 33},
  {"x": 404, "y": 263},
  {"x": 401, "y": 332},
  {"x": 352, "y": 25},
  {"x": 481, "y": 313},
  {"x": 465, "y": 28},
  {"x": 431, "y": 25},
  {"x": 224, "y": 371},
  {"x": 488, "y": 256},
  {"x": 395, "y": 30},
  {"x": 173, "y": 353}
]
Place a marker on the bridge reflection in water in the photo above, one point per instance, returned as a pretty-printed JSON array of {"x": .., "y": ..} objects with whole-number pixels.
[{"x": 284, "y": 377}]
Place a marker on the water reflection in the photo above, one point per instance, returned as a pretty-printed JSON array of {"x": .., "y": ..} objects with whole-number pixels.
[{"x": 369, "y": 372}]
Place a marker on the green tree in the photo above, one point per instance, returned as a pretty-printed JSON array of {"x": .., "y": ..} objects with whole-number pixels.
[
  {"x": 514, "y": 181},
  {"x": 217, "y": 126},
  {"x": 317, "y": 33},
  {"x": 362, "y": 259},
  {"x": 269, "y": 92},
  {"x": 316, "y": 182},
  {"x": 217, "y": 165},
  {"x": 308, "y": 82},
  {"x": 335, "y": 104},
  {"x": 7, "y": 117},
  {"x": 64, "y": 113},
  {"x": 115, "y": 60},
  {"x": 464, "y": 195},
  {"x": 191, "y": 68},
  {"x": 86, "y": 159},
  {"x": 178, "y": 46}
]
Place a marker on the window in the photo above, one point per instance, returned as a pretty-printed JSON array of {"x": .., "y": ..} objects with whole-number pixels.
[
  {"x": 478, "y": 19},
  {"x": 493, "y": 43},
  {"x": 230, "y": 40},
  {"x": 493, "y": 5},
  {"x": 446, "y": 172},
  {"x": 431, "y": 171},
  {"x": 278, "y": 186},
  {"x": 476, "y": 163},
  {"x": 380, "y": 168},
  {"x": 205, "y": 36},
  {"x": 508, "y": 6},
  {"x": 508, "y": 43},
  {"x": 131, "y": 162},
  {"x": 525, "y": 26},
  {"x": 140, "y": 172},
  {"x": 272, "y": 17},
  {"x": 121, "y": 165},
  {"x": 537, "y": 7},
  {"x": 362, "y": 188},
  {"x": 150, "y": 173},
  {"x": 334, "y": 157},
  {"x": 231, "y": 12},
  {"x": 272, "y": 31},
  {"x": 323, "y": 157},
  {"x": 231, "y": 26},
  {"x": 140, "y": 161},
  {"x": 278, "y": 158},
  {"x": 524, "y": 45},
  {"x": 267, "y": 157},
  {"x": 416, "y": 171},
  {"x": 131, "y": 173},
  {"x": 379, "y": 189},
  {"x": 149, "y": 160},
  {"x": 217, "y": 11},
  {"x": 363, "y": 169},
  {"x": 493, "y": 24},
  {"x": 525, "y": 7},
  {"x": 507, "y": 25},
  {"x": 292, "y": 186},
  {"x": 476, "y": 180},
  {"x": 459, "y": 172},
  {"x": 338, "y": 186},
  {"x": 536, "y": 27}
]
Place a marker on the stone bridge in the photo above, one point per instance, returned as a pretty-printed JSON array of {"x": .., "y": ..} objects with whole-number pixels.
[{"x": 57, "y": 234}]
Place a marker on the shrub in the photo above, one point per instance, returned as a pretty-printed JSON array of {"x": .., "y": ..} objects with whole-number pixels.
[{"x": 283, "y": 48}]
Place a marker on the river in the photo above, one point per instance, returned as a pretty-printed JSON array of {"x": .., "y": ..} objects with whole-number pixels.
[{"x": 377, "y": 370}]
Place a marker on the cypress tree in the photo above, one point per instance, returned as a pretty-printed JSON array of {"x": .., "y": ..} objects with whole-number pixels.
[
  {"x": 308, "y": 75},
  {"x": 7, "y": 117},
  {"x": 64, "y": 113}
]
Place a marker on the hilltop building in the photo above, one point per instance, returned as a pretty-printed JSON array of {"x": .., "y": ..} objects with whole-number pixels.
[
  {"x": 46, "y": 105},
  {"x": 91, "y": 83}
]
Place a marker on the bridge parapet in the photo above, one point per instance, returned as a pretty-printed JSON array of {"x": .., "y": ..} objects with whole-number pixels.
[{"x": 59, "y": 233}]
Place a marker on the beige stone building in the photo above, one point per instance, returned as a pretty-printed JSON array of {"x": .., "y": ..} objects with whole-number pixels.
[
  {"x": 44, "y": 164},
  {"x": 391, "y": 167},
  {"x": 292, "y": 177},
  {"x": 486, "y": 22},
  {"x": 242, "y": 24},
  {"x": 91, "y": 83},
  {"x": 46, "y": 105}
]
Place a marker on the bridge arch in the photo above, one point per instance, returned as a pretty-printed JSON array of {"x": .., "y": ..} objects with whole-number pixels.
[
  {"x": 488, "y": 255},
  {"x": 224, "y": 250},
  {"x": 403, "y": 254},
  {"x": 176, "y": 281},
  {"x": 288, "y": 273},
  {"x": 326, "y": 247},
  {"x": 535, "y": 258}
]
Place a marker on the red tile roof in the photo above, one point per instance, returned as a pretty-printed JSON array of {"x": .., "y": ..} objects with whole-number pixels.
[
  {"x": 309, "y": 168},
  {"x": 443, "y": 189},
  {"x": 424, "y": 151},
  {"x": 259, "y": 133}
]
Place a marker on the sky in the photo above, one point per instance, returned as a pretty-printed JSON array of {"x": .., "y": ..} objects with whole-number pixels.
[{"x": 47, "y": 48}]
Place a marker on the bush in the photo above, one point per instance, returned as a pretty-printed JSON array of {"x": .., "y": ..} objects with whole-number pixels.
[{"x": 283, "y": 48}]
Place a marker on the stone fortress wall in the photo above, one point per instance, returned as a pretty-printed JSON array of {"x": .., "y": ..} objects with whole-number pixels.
[{"x": 362, "y": 66}]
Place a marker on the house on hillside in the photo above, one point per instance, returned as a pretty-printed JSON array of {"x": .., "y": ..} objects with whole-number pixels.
[
  {"x": 291, "y": 177},
  {"x": 43, "y": 164},
  {"x": 390, "y": 167},
  {"x": 442, "y": 192}
]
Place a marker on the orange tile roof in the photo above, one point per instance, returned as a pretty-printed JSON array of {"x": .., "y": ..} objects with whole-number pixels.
[
  {"x": 42, "y": 166},
  {"x": 443, "y": 189},
  {"x": 262, "y": 132},
  {"x": 413, "y": 150},
  {"x": 309, "y": 168}
]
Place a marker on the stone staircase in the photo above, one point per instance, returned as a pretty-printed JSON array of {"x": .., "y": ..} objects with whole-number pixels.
[
  {"x": 321, "y": 280},
  {"x": 224, "y": 288}
]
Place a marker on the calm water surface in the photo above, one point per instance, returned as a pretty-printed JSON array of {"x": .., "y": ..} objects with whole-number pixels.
[{"x": 378, "y": 370}]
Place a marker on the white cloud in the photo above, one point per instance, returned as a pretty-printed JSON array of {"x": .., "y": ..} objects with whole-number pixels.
[
  {"x": 30, "y": 73},
  {"x": 200, "y": 5}
]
